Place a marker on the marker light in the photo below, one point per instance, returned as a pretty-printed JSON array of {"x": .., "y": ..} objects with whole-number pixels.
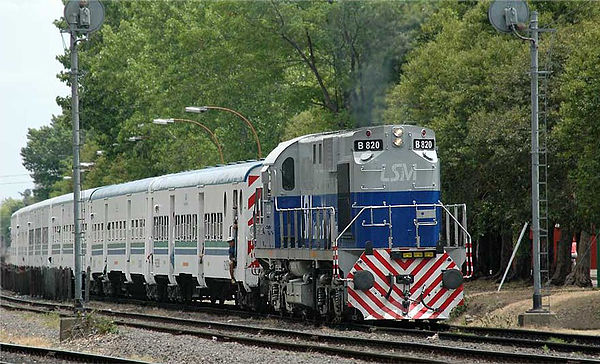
[
  {"x": 397, "y": 132},
  {"x": 398, "y": 142}
]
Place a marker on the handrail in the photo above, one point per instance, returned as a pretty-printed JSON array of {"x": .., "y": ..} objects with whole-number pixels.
[
  {"x": 318, "y": 208},
  {"x": 469, "y": 243},
  {"x": 455, "y": 220},
  {"x": 336, "y": 272},
  {"x": 304, "y": 208},
  {"x": 334, "y": 247}
]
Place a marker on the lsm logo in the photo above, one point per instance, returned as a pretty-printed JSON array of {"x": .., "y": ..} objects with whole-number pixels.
[{"x": 401, "y": 172}]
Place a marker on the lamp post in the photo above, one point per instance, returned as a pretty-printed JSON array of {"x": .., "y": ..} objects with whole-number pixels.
[
  {"x": 210, "y": 132},
  {"x": 201, "y": 109}
]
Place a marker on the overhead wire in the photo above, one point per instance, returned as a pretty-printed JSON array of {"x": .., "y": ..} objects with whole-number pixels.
[
  {"x": 14, "y": 175},
  {"x": 15, "y": 183}
]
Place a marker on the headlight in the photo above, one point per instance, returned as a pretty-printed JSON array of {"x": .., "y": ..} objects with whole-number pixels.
[
  {"x": 398, "y": 142},
  {"x": 397, "y": 132}
]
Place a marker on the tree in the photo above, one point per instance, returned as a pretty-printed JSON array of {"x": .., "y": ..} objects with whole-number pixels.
[
  {"x": 276, "y": 63},
  {"x": 350, "y": 51},
  {"x": 576, "y": 138},
  {"x": 470, "y": 85},
  {"x": 45, "y": 154},
  {"x": 7, "y": 208},
  {"x": 563, "y": 257}
]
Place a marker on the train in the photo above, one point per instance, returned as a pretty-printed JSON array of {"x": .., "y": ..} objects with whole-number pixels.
[{"x": 336, "y": 225}]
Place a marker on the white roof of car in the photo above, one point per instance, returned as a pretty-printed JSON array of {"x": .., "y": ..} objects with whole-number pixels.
[{"x": 235, "y": 172}]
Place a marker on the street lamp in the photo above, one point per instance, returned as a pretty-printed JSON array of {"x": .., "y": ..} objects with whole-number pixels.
[
  {"x": 201, "y": 109},
  {"x": 210, "y": 132}
]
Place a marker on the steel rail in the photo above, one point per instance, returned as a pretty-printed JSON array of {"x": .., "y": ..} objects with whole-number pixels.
[
  {"x": 73, "y": 356},
  {"x": 325, "y": 341},
  {"x": 520, "y": 333},
  {"x": 551, "y": 341}
]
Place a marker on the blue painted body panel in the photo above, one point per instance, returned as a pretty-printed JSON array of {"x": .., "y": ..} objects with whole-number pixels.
[{"x": 403, "y": 230}]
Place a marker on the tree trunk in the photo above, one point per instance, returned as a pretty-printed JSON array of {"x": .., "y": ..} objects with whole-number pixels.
[
  {"x": 481, "y": 268},
  {"x": 563, "y": 258},
  {"x": 580, "y": 276},
  {"x": 521, "y": 268},
  {"x": 506, "y": 248}
]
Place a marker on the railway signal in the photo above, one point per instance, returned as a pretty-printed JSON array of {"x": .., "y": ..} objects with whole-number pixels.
[
  {"x": 83, "y": 17},
  {"x": 510, "y": 16}
]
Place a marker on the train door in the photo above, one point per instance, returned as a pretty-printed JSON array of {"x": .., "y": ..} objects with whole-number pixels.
[
  {"x": 128, "y": 228},
  {"x": 234, "y": 216},
  {"x": 172, "y": 239},
  {"x": 343, "y": 196},
  {"x": 201, "y": 238},
  {"x": 106, "y": 237},
  {"x": 151, "y": 232}
]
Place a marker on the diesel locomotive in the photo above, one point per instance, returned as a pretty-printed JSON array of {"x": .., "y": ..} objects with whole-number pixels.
[{"x": 344, "y": 224}]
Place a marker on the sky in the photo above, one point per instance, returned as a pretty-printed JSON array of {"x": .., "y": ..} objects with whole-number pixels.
[{"x": 29, "y": 44}]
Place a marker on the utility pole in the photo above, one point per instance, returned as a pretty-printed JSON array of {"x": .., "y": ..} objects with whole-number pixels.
[
  {"x": 76, "y": 166},
  {"x": 509, "y": 16},
  {"x": 535, "y": 162},
  {"x": 83, "y": 17}
]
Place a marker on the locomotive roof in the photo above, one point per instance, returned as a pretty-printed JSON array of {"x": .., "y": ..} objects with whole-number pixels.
[{"x": 272, "y": 157}]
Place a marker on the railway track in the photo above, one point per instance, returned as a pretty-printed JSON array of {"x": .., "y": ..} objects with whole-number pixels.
[
  {"x": 517, "y": 337},
  {"x": 340, "y": 345},
  {"x": 55, "y": 354}
]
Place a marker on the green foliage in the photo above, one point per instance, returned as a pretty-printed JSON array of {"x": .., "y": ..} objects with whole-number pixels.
[
  {"x": 7, "y": 207},
  {"x": 577, "y": 134},
  {"x": 311, "y": 121},
  {"x": 556, "y": 340},
  {"x": 319, "y": 65},
  {"x": 48, "y": 149},
  {"x": 90, "y": 323},
  {"x": 470, "y": 84}
]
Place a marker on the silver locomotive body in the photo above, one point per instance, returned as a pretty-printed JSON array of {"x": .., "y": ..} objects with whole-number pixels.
[{"x": 351, "y": 222}]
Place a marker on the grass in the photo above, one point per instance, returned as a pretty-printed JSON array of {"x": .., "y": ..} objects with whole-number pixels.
[
  {"x": 94, "y": 324},
  {"x": 25, "y": 340},
  {"x": 459, "y": 310},
  {"x": 556, "y": 340},
  {"x": 90, "y": 324},
  {"x": 50, "y": 319}
]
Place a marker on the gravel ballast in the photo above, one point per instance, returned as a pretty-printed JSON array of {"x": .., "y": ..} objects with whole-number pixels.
[{"x": 34, "y": 329}]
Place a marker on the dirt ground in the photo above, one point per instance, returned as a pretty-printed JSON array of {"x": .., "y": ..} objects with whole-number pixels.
[{"x": 577, "y": 309}]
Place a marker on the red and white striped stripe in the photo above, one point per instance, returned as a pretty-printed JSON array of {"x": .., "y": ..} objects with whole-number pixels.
[
  {"x": 469, "y": 259},
  {"x": 251, "y": 201},
  {"x": 427, "y": 288}
]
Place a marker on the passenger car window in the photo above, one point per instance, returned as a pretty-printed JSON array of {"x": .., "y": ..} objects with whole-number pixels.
[{"x": 287, "y": 174}]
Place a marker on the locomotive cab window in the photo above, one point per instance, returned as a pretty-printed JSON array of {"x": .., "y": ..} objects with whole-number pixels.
[{"x": 287, "y": 174}]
